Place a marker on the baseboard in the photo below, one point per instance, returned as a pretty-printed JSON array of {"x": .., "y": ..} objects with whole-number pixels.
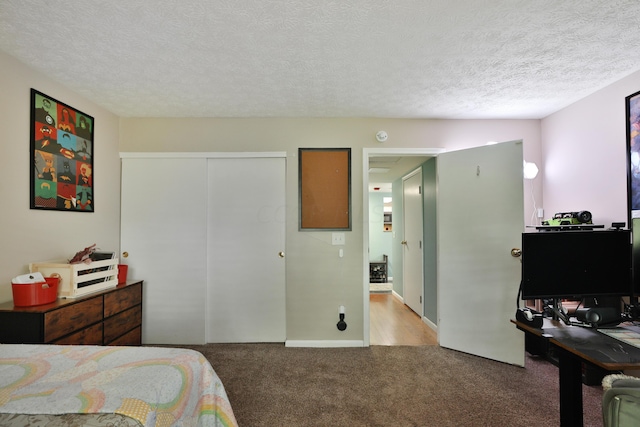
[
  {"x": 323, "y": 343},
  {"x": 430, "y": 324},
  {"x": 397, "y": 295}
]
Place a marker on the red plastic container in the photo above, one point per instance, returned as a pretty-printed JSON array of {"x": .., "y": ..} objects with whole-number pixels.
[
  {"x": 122, "y": 273},
  {"x": 26, "y": 295}
]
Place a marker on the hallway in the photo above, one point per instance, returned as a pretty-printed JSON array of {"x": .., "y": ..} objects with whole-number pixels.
[{"x": 393, "y": 323}]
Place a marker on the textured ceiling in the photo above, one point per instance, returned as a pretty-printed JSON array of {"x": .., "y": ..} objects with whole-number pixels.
[{"x": 339, "y": 58}]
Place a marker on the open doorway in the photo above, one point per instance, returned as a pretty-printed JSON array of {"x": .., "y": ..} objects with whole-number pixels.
[
  {"x": 381, "y": 233},
  {"x": 388, "y": 320},
  {"x": 482, "y": 177}
]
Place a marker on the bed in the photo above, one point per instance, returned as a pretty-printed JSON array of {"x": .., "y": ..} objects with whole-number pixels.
[{"x": 50, "y": 385}]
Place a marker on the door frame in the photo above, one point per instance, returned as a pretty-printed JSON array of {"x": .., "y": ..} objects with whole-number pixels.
[{"x": 378, "y": 152}]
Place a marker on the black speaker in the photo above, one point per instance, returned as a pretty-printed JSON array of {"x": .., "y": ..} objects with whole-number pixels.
[
  {"x": 529, "y": 317},
  {"x": 598, "y": 316}
]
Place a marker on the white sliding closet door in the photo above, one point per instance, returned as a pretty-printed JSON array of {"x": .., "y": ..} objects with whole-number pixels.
[
  {"x": 246, "y": 237},
  {"x": 164, "y": 214}
]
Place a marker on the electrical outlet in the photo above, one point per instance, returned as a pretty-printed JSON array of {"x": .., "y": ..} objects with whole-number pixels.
[
  {"x": 342, "y": 325},
  {"x": 540, "y": 213}
]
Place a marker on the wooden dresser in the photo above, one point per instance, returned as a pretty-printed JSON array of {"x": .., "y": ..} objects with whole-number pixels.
[{"x": 109, "y": 317}]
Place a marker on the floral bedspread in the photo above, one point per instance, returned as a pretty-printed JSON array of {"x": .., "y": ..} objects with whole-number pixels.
[{"x": 156, "y": 386}]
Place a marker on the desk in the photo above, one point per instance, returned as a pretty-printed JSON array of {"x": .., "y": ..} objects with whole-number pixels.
[{"x": 576, "y": 345}]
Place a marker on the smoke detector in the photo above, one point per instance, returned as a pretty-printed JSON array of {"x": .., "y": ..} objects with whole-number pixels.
[{"x": 381, "y": 136}]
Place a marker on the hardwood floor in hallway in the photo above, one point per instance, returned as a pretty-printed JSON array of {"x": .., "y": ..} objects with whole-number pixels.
[{"x": 393, "y": 323}]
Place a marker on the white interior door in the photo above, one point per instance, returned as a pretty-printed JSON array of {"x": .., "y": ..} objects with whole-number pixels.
[
  {"x": 412, "y": 255},
  {"x": 480, "y": 219},
  {"x": 246, "y": 286},
  {"x": 162, "y": 230}
]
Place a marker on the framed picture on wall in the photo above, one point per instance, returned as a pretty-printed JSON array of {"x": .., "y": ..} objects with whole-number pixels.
[
  {"x": 61, "y": 156},
  {"x": 324, "y": 176},
  {"x": 633, "y": 152},
  {"x": 632, "y": 117}
]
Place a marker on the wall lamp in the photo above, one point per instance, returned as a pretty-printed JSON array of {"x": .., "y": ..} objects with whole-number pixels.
[{"x": 529, "y": 170}]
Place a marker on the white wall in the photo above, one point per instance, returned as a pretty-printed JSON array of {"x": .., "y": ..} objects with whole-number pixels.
[
  {"x": 584, "y": 155},
  {"x": 35, "y": 235},
  {"x": 318, "y": 280}
]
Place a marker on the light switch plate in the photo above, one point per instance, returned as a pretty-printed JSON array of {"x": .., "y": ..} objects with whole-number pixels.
[{"x": 337, "y": 238}]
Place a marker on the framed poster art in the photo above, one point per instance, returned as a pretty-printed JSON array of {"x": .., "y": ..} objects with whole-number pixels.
[
  {"x": 324, "y": 176},
  {"x": 633, "y": 152},
  {"x": 61, "y": 156},
  {"x": 632, "y": 122}
]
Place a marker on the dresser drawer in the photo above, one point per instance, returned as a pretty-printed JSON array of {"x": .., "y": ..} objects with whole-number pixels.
[
  {"x": 88, "y": 336},
  {"x": 115, "y": 302},
  {"x": 70, "y": 318},
  {"x": 133, "y": 337},
  {"x": 111, "y": 316},
  {"x": 121, "y": 323}
]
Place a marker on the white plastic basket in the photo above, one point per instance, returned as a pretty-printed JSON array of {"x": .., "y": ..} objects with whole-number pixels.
[{"x": 80, "y": 279}]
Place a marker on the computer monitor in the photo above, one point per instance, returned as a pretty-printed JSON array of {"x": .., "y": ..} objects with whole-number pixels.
[{"x": 576, "y": 264}]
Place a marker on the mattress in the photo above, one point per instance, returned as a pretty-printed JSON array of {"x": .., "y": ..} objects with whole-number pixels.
[{"x": 149, "y": 386}]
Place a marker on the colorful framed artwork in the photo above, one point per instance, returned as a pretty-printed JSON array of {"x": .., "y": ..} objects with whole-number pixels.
[
  {"x": 324, "y": 176},
  {"x": 632, "y": 103},
  {"x": 61, "y": 156},
  {"x": 632, "y": 124}
]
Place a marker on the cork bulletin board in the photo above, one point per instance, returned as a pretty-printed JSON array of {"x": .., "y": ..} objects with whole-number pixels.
[{"x": 324, "y": 176}]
